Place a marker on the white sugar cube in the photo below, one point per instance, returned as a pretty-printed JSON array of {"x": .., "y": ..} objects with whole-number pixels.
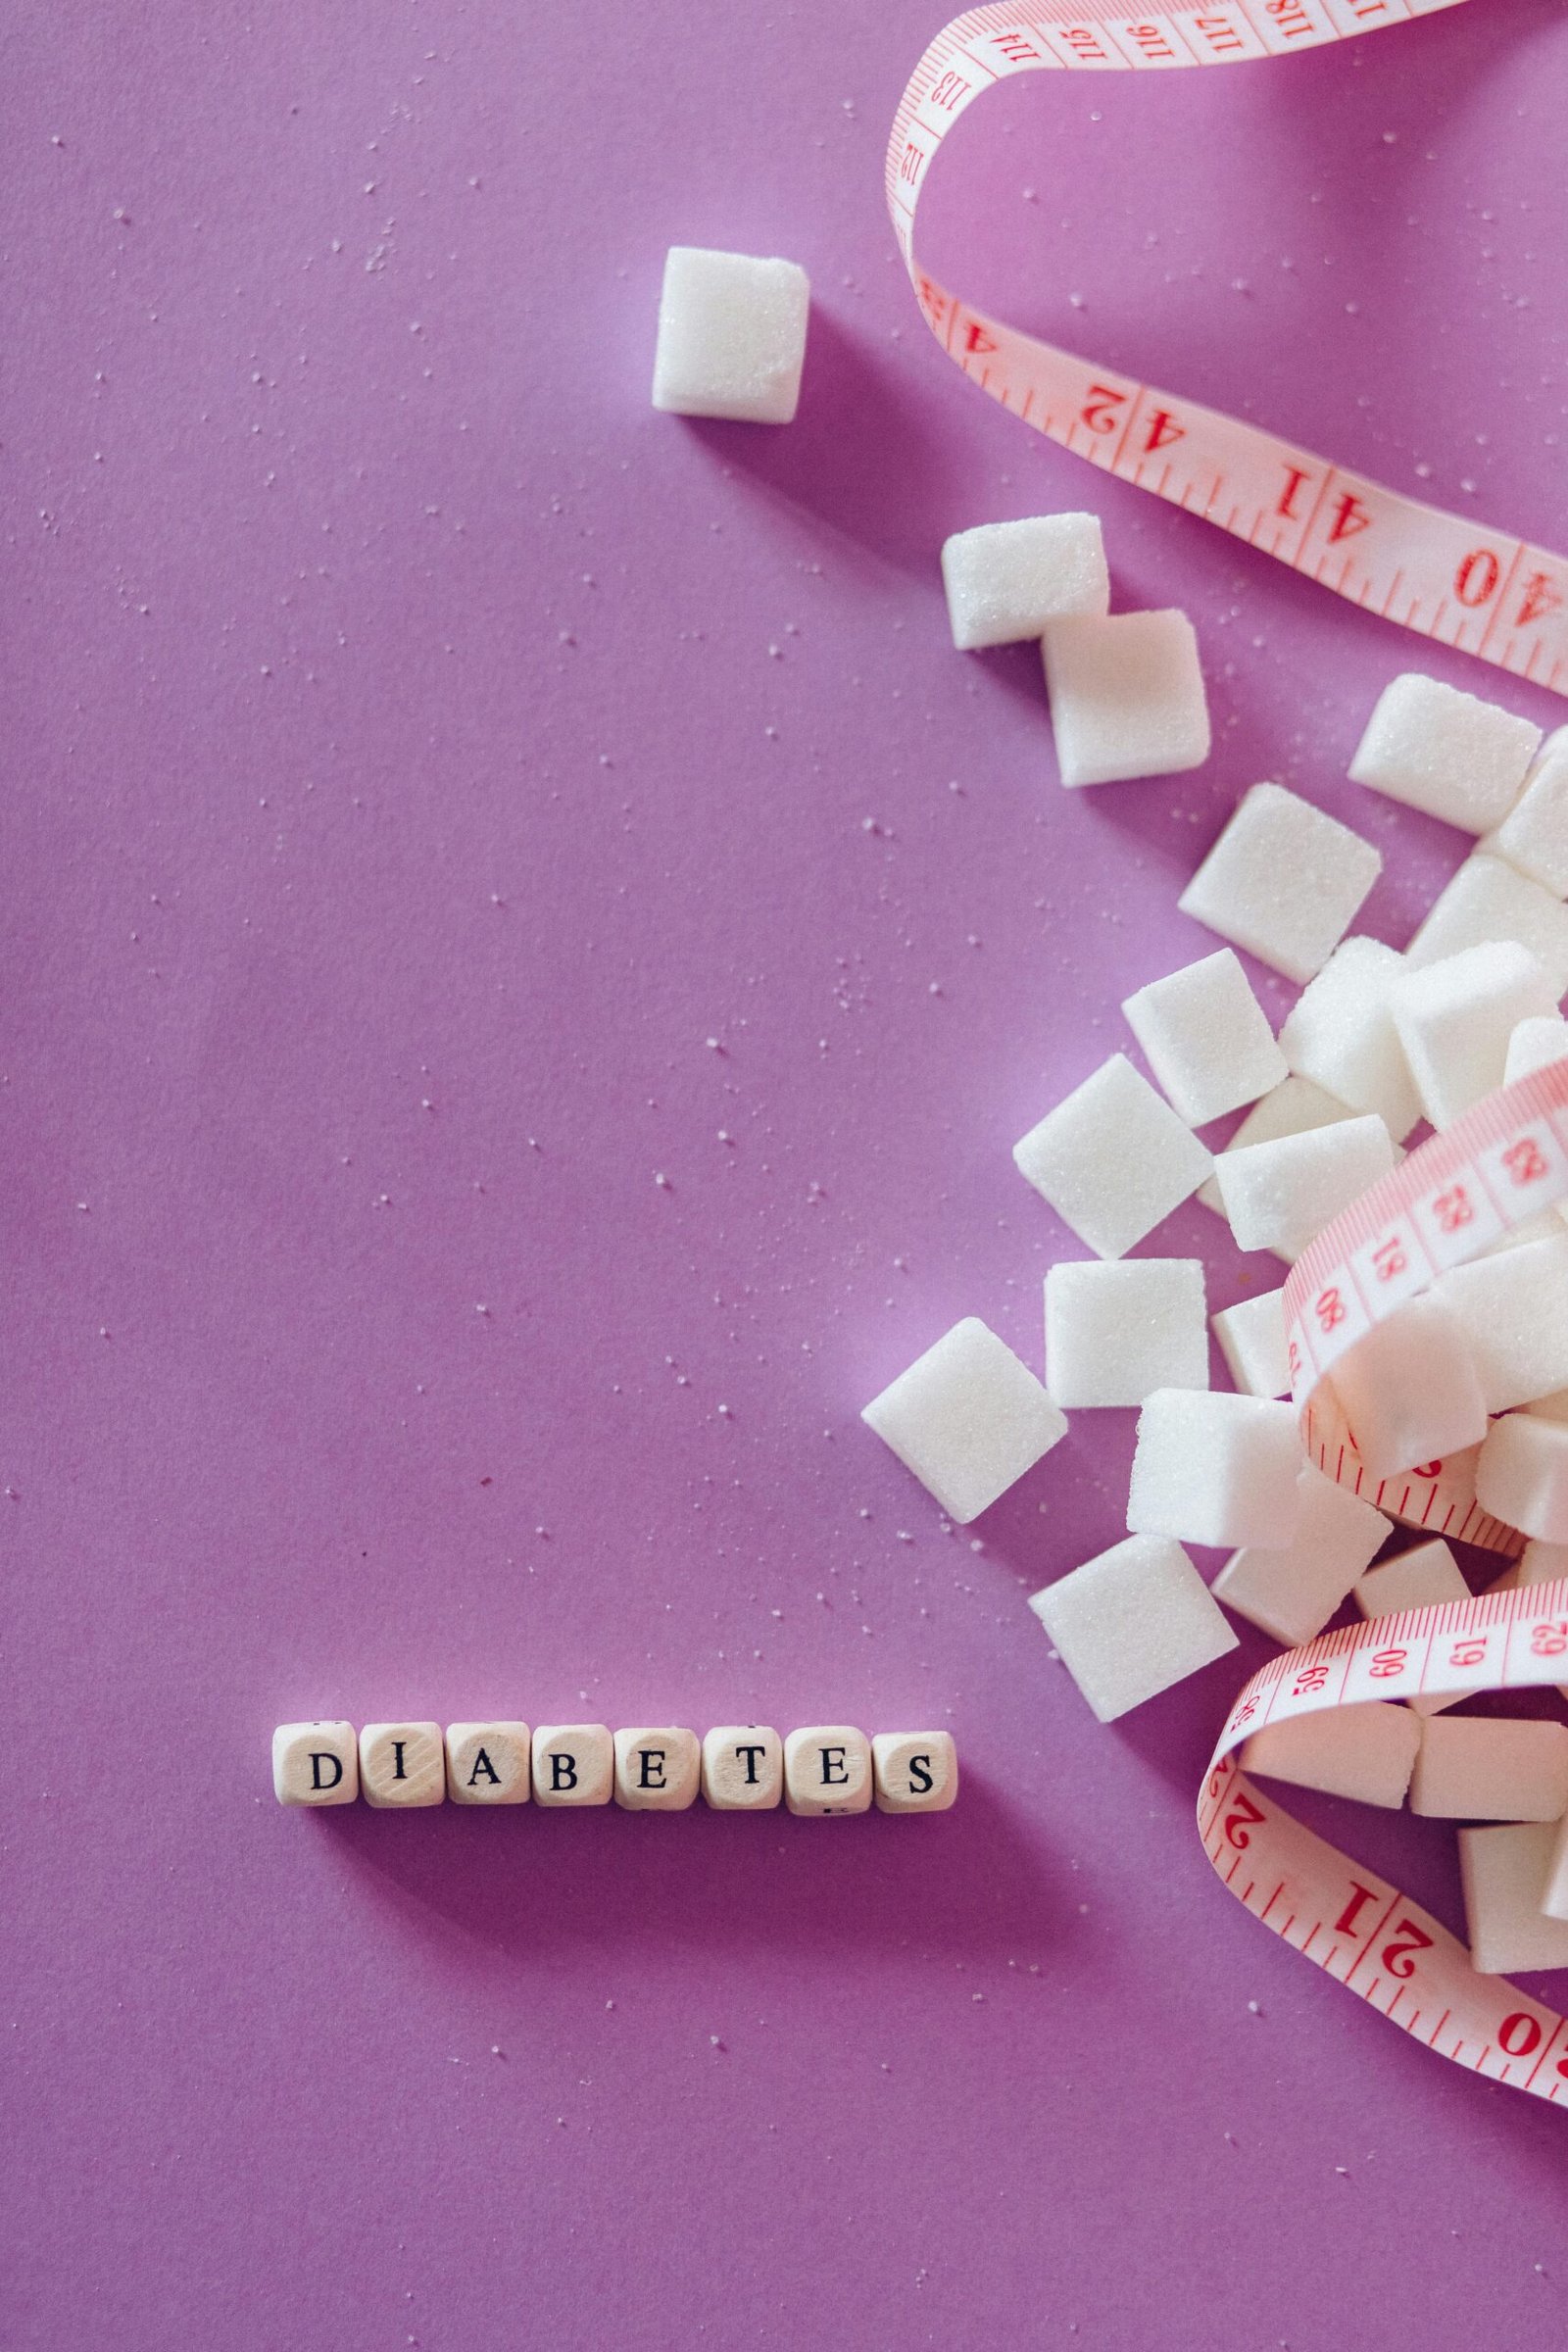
[
  {"x": 1554, "y": 1891},
  {"x": 1131, "y": 1622},
  {"x": 1409, "y": 1388},
  {"x": 1284, "y": 881},
  {"x": 1280, "y": 1195},
  {"x": 967, "y": 1418},
  {"x": 1114, "y": 1332},
  {"x": 1252, "y": 1340},
  {"x": 1206, "y": 1038},
  {"x": 1487, "y": 901},
  {"x": 731, "y": 336},
  {"x": 1533, "y": 1044},
  {"x": 1456, "y": 1018},
  {"x": 1366, "y": 1752},
  {"x": 1478, "y": 1768},
  {"x": 1534, "y": 835},
  {"x": 1113, "y": 1159},
  {"x": 1294, "y": 1591},
  {"x": 1513, "y": 1312},
  {"x": 1505, "y": 1874},
  {"x": 1522, "y": 1476},
  {"x": 1126, "y": 696},
  {"x": 1293, "y": 1107},
  {"x": 1216, "y": 1469},
  {"x": 1426, "y": 1576},
  {"x": 1435, "y": 748},
  {"x": 1340, "y": 1033},
  {"x": 1005, "y": 580}
]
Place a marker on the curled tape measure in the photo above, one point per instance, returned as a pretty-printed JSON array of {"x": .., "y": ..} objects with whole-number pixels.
[
  {"x": 1482, "y": 591},
  {"x": 1503, "y": 1162}
]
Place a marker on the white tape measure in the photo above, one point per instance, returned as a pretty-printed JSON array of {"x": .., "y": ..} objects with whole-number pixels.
[
  {"x": 1504, "y": 1162},
  {"x": 1485, "y": 592}
]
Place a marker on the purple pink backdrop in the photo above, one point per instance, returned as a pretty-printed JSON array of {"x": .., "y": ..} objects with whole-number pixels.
[{"x": 446, "y": 795}]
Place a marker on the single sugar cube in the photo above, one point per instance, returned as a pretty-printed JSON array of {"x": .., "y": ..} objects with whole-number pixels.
[
  {"x": 1456, "y": 1018},
  {"x": 1513, "y": 1312},
  {"x": 1281, "y": 1195},
  {"x": 1426, "y": 1576},
  {"x": 1340, "y": 1033},
  {"x": 1365, "y": 1752},
  {"x": 1216, "y": 1469},
  {"x": 1113, "y": 1159},
  {"x": 969, "y": 1418},
  {"x": 1131, "y": 1622},
  {"x": 1113, "y": 1332},
  {"x": 1005, "y": 580},
  {"x": 731, "y": 336},
  {"x": 1534, "y": 1045},
  {"x": 1126, "y": 696},
  {"x": 1293, "y": 1107},
  {"x": 1293, "y": 1592},
  {"x": 1505, "y": 1874},
  {"x": 1534, "y": 835},
  {"x": 914, "y": 1772},
  {"x": 1522, "y": 1476},
  {"x": 316, "y": 1764},
  {"x": 1476, "y": 1768},
  {"x": 1435, "y": 748},
  {"x": 1284, "y": 881},
  {"x": 1206, "y": 1038},
  {"x": 1409, "y": 1388},
  {"x": 1487, "y": 901},
  {"x": 1252, "y": 1340}
]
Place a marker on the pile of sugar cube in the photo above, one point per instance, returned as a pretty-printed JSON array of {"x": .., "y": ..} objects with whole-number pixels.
[{"x": 820, "y": 1771}]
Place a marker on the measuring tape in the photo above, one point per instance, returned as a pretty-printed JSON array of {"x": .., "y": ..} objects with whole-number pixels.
[
  {"x": 1483, "y": 591},
  {"x": 1503, "y": 1162}
]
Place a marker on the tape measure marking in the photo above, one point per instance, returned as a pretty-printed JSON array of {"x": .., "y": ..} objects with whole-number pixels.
[{"x": 1483, "y": 592}]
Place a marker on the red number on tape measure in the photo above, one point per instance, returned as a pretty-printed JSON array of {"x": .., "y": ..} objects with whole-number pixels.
[
  {"x": 1519, "y": 2034},
  {"x": 1245, "y": 1819},
  {"x": 1399, "y": 1957},
  {"x": 1525, "y": 1161},
  {"x": 1387, "y": 1662}
]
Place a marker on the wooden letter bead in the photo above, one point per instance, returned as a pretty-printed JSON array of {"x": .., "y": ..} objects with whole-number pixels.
[
  {"x": 316, "y": 1764},
  {"x": 743, "y": 1768},
  {"x": 573, "y": 1764},
  {"x": 827, "y": 1769},
  {"x": 657, "y": 1771},
  {"x": 403, "y": 1764},
  {"x": 487, "y": 1763},
  {"x": 917, "y": 1772}
]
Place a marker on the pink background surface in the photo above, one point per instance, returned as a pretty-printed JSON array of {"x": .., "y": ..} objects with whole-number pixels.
[{"x": 421, "y": 752}]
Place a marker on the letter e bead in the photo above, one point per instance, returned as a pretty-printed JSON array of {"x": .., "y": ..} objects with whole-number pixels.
[{"x": 827, "y": 1769}]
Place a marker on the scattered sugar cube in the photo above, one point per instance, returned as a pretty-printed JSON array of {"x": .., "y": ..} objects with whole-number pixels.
[
  {"x": 1126, "y": 696},
  {"x": 1487, "y": 901},
  {"x": 1280, "y": 1195},
  {"x": 1216, "y": 1469},
  {"x": 731, "y": 336},
  {"x": 969, "y": 1418},
  {"x": 1533, "y": 1044},
  {"x": 1340, "y": 1033},
  {"x": 1131, "y": 1622},
  {"x": 658, "y": 1768},
  {"x": 743, "y": 1768},
  {"x": 1252, "y": 1340},
  {"x": 403, "y": 1764},
  {"x": 1293, "y": 1107},
  {"x": 1435, "y": 748},
  {"x": 573, "y": 1764},
  {"x": 1480, "y": 1768},
  {"x": 1534, "y": 835},
  {"x": 1409, "y": 1388},
  {"x": 1456, "y": 1018},
  {"x": 1206, "y": 1038},
  {"x": 827, "y": 1769},
  {"x": 1425, "y": 1577},
  {"x": 1513, "y": 1312},
  {"x": 1505, "y": 1873},
  {"x": 316, "y": 1764},
  {"x": 1284, "y": 881},
  {"x": 1005, "y": 580},
  {"x": 1114, "y": 1332},
  {"x": 1522, "y": 1475},
  {"x": 1366, "y": 1752},
  {"x": 1294, "y": 1591},
  {"x": 487, "y": 1763},
  {"x": 914, "y": 1772},
  {"x": 1113, "y": 1159}
]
